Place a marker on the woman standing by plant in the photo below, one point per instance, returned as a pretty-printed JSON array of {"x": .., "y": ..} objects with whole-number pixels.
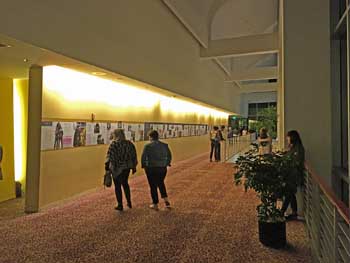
[{"x": 297, "y": 152}]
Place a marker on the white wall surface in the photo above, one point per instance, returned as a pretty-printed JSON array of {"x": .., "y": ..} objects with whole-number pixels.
[{"x": 307, "y": 79}]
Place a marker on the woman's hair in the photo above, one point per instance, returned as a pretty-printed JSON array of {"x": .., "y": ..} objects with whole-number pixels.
[
  {"x": 119, "y": 134},
  {"x": 215, "y": 128},
  {"x": 263, "y": 133},
  {"x": 154, "y": 135},
  {"x": 295, "y": 139}
]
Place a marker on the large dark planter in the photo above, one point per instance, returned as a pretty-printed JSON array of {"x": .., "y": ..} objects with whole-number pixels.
[{"x": 273, "y": 234}]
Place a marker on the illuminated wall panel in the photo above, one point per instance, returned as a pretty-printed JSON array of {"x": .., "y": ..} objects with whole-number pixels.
[{"x": 69, "y": 94}]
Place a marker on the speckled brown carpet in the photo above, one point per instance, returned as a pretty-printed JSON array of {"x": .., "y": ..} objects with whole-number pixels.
[{"x": 212, "y": 221}]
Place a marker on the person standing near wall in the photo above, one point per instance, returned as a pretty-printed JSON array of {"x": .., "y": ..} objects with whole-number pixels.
[
  {"x": 213, "y": 142},
  {"x": 297, "y": 152},
  {"x": 230, "y": 135},
  {"x": 156, "y": 157},
  {"x": 121, "y": 158},
  {"x": 1, "y": 153},
  {"x": 219, "y": 138}
]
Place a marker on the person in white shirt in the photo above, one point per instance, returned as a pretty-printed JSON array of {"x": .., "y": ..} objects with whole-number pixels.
[{"x": 264, "y": 142}]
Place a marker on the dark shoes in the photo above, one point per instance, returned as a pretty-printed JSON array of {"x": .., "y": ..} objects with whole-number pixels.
[
  {"x": 167, "y": 204},
  {"x": 154, "y": 207},
  {"x": 119, "y": 208},
  {"x": 292, "y": 217}
]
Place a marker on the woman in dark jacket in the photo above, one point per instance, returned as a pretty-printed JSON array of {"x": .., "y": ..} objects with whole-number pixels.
[
  {"x": 297, "y": 152},
  {"x": 121, "y": 158}
]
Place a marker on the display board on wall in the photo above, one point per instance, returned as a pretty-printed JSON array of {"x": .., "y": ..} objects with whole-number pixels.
[{"x": 56, "y": 135}]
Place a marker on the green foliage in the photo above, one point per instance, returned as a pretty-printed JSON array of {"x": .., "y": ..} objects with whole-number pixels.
[
  {"x": 266, "y": 118},
  {"x": 271, "y": 176}
]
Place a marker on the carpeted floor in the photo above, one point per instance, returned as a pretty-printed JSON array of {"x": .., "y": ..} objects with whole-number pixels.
[{"x": 212, "y": 221}]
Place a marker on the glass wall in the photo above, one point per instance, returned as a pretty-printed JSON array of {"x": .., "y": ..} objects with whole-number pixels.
[
  {"x": 340, "y": 96},
  {"x": 254, "y": 109}
]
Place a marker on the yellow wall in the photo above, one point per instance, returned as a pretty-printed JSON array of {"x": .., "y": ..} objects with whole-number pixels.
[
  {"x": 7, "y": 185},
  {"x": 66, "y": 173},
  {"x": 69, "y": 95},
  {"x": 20, "y": 96}
]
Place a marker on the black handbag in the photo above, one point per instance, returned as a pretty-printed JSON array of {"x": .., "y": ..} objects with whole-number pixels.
[{"x": 107, "y": 180}]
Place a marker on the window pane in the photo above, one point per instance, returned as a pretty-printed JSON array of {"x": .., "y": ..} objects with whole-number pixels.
[
  {"x": 344, "y": 101},
  {"x": 342, "y": 7},
  {"x": 252, "y": 109},
  {"x": 262, "y": 106}
]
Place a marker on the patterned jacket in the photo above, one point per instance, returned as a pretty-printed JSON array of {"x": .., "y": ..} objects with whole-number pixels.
[{"x": 121, "y": 155}]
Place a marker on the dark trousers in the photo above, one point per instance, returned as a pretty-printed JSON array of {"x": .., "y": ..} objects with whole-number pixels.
[
  {"x": 292, "y": 200},
  {"x": 215, "y": 148},
  {"x": 156, "y": 177},
  {"x": 119, "y": 181},
  {"x": 218, "y": 151}
]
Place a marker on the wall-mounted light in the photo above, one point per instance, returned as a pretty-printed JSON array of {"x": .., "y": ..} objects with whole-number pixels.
[
  {"x": 80, "y": 87},
  {"x": 99, "y": 73}
]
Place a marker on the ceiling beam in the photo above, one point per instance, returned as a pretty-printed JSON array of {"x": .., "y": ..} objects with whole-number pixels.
[
  {"x": 260, "y": 87},
  {"x": 241, "y": 46},
  {"x": 188, "y": 19},
  {"x": 254, "y": 74},
  {"x": 222, "y": 66}
]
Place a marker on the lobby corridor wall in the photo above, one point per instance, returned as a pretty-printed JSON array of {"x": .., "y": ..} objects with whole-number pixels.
[
  {"x": 7, "y": 184},
  {"x": 307, "y": 74},
  {"x": 67, "y": 172}
]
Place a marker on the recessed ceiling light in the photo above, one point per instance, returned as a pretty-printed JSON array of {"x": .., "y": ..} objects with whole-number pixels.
[{"x": 99, "y": 73}]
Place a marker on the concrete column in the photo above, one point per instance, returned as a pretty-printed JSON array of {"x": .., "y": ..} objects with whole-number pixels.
[
  {"x": 34, "y": 139},
  {"x": 280, "y": 88},
  {"x": 306, "y": 79}
]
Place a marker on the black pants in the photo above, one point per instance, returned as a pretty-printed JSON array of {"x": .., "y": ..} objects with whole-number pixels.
[
  {"x": 156, "y": 177},
  {"x": 215, "y": 148},
  {"x": 119, "y": 181},
  {"x": 292, "y": 200},
  {"x": 218, "y": 151}
]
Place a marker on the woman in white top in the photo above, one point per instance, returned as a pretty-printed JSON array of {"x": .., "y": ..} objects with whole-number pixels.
[{"x": 264, "y": 142}]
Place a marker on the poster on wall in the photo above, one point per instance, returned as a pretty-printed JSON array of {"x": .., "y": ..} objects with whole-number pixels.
[
  {"x": 59, "y": 135},
  {"x": 134, "y": 131},
  {"x": 50, "y": 138},
  {"x": 79, "y": 135},
  {"x": 56, "y": 135},
  {"x": 96, "y": 133},
  {"x": 110, "y": 127},
  {"x": 163, "y": 130}
]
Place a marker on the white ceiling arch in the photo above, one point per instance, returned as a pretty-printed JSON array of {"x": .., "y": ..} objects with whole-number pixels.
[
  {"x": 237, "y": 34},
  {"x": 237, "y": 18}
]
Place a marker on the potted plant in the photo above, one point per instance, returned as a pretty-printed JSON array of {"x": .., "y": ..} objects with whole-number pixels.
[{"x": 271, "y": 176}]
